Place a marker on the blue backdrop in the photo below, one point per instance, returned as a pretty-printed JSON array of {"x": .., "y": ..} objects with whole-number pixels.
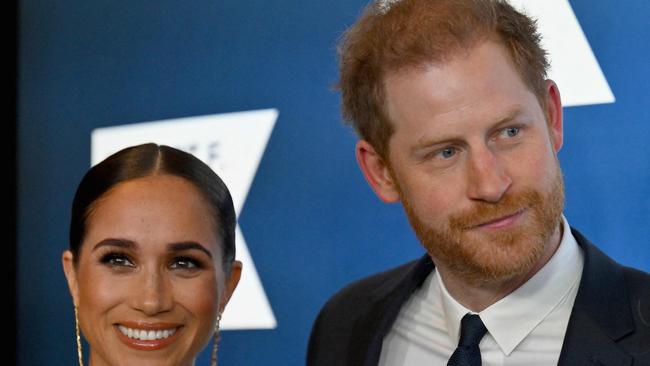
[{"x": 311, "y": 222}]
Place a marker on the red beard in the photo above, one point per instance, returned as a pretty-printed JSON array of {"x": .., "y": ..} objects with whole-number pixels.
[{"x": 480, "y": 256}]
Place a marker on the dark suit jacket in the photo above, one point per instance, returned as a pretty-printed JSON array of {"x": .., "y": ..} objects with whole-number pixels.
[{"x": 609, "y": 323}]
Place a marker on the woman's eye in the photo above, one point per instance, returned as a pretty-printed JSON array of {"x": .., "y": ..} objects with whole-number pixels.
[
  {"x": 185, "y": 263},
  {"x": 117, "y": 260}
]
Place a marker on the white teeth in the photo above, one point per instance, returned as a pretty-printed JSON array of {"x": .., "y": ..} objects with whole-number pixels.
[{"x": 144, "y": 335}]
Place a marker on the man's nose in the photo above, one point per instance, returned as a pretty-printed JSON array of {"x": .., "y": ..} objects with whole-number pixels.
[
  {"x": 152, "y": 293},
  {"x": 487, "y": 177}
]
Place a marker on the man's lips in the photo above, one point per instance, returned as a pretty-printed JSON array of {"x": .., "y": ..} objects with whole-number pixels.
[
  {"x": 147, "y": 336},
  {"x": 501, "y": 222}
]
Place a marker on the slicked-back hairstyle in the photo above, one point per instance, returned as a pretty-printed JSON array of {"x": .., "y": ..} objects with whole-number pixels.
[
  {"x": 147, "y": 160},
  {"x": 393, "y": 35}
]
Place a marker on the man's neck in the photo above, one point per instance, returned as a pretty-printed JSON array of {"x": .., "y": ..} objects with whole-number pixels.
[{"x": 477, "y": 297}]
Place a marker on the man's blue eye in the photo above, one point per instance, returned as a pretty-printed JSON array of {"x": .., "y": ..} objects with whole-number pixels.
[
  {"x": 512, "y": 131},
  {"x": 447, "y": 152}
]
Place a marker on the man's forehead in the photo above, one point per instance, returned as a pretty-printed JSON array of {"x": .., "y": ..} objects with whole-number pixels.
[
  {"x": 486, "y": 67},
  {"x": 452, "y": 53},
  {"x": 454, "y": 100}
]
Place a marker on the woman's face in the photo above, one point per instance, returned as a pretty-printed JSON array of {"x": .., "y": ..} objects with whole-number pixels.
[{"x": 149, "y": 282}]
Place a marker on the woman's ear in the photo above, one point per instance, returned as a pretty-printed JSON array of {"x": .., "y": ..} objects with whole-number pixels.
[
  {"x": 67, "y": 259},
  {"x": 230, "y": 283}
]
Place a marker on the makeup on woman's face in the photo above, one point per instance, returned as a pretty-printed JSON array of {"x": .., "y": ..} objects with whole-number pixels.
[{"x": 149, "y": 276}]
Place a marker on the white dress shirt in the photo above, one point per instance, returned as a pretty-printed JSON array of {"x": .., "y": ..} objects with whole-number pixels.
[{"x": 526, "y": 327}]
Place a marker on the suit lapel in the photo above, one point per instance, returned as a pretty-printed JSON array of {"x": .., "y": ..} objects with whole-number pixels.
[
  {"x": 388, "y": 301},
  {"x": 601, "y": 313},
  {"x": 591, "y": 334}
]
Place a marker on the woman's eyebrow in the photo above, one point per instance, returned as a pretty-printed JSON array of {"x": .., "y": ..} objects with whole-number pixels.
[
  {"x": 188, "y": 245},
  {"x": 112, "y": 242}
]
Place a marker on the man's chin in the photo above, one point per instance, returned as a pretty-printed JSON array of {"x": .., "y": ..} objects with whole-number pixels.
[
  {"x": 495, "y": 242},
  {"x": 489, "y": 261}
]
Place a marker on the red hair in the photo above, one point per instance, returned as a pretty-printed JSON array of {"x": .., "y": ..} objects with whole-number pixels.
[{"x": 387, "y": 38}]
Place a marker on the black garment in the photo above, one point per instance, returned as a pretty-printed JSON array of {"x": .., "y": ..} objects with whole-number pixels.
[
  {"x": 609, "y": 323},
  {"x": 468, "y": 352}
]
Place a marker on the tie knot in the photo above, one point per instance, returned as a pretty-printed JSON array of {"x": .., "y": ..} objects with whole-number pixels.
[{"x": 472, "y": 330}]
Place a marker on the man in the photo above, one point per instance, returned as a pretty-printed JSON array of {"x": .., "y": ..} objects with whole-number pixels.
[{"x": 459, "y": 123}]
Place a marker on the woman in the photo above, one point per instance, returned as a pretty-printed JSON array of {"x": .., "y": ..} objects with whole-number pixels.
[{"x": 151, "y": 261}]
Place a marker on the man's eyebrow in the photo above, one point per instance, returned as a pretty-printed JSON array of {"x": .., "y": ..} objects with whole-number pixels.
[
  {"x": 512, "y": 113},
  {"x": 188, "y": 245},
  {"x": 426, "y": 142},
  {"x": 113, "y": 242}
]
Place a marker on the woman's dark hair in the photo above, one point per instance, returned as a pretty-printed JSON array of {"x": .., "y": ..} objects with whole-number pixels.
[{"x": 146, "y": 160}]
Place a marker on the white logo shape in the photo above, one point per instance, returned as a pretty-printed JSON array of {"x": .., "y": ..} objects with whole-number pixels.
[
  {"x": 232, "y": 144},
  {"x": 573, "y": 64}
]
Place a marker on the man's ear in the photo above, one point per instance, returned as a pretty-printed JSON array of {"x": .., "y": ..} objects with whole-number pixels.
[
  {"x": 377, "y": 172},
  {"x": 67, "y": 259},
  {"x": 230, "y": 284},
  {"x": 554, "y": 115}
]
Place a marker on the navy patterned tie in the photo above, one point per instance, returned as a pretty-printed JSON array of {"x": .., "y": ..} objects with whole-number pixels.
[{"x": 467, "y": 353}]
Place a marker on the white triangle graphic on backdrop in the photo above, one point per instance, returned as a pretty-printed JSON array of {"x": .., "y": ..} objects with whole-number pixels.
[
  {"x": 232, "y": 144},
  {"x": 573, "y": 64}
]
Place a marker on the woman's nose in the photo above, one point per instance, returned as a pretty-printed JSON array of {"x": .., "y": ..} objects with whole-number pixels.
[{"x": 153, "y": 294}]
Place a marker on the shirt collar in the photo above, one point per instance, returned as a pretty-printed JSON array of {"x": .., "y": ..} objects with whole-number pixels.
[{"x": 512, "y": 318}]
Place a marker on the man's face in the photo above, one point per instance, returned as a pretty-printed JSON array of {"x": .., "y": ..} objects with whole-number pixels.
[{"x": 473, "y": 160}]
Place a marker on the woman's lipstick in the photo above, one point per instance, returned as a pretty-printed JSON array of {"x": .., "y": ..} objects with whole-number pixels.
[{"x": 147, "y": 337}]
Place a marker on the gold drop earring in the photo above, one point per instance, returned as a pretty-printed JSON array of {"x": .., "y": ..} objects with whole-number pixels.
[
  {"x": 215, "y": 342},
  {"x": 76, "y": 325}
]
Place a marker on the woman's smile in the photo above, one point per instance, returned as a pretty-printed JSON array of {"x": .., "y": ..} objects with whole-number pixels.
[{"x": 149, "y": 337}]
